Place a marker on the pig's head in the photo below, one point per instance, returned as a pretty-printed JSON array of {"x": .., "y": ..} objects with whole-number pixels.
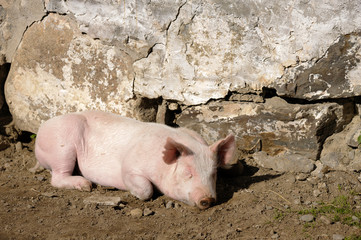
[{"x": 193, "y": 179}]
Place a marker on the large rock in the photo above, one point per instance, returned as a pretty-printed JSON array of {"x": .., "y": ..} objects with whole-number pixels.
[
  {"x": 57, "y": 69},
  {"x": 341, "y": 151},
  {"x": 334, "y": 75},
  {"x": 135, "y": 26},
  {"x": 194, "y": 51},
  {"x": 15, "y": 17},
  {"x": 282, "y": 136}
]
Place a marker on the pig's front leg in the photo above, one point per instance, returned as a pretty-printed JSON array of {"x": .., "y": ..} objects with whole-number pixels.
[{"x": 139, "y": 186}]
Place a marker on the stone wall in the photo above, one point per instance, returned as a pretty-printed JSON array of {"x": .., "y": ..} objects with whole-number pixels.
[{"x": 282, "y": 76}]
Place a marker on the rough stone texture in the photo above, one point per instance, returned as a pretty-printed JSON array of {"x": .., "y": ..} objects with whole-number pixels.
[
  {"x": 58, "y": 70},
  {"x": 217, "y": 61},
  {"x": 15, "y": 17},
  {"x": 334, "y": 75},
  {"x": 195, "y": 51},
  {"x": 341, "y": 151},
  {"x": 103, "y": 200},
  {"x": 284, "y": 136}
]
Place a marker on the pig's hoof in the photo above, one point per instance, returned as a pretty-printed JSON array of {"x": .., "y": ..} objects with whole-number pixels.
[
  {"x": 86, "y": 188},
  {"x": 71, "y": 182}
]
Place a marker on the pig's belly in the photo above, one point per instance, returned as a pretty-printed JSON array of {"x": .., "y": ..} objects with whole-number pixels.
[{"x": 104, "y": 171}]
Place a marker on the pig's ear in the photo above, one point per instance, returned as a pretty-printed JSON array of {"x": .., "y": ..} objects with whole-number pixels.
[
  {"x": 173, "y": 149},
  {"x": 225, "y": 150}
]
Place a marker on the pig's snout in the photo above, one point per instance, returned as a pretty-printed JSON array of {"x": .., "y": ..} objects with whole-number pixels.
[{"x": 205, "y": 203}]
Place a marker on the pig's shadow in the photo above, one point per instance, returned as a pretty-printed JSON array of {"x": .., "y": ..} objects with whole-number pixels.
[{"x": 228, "y": 184}]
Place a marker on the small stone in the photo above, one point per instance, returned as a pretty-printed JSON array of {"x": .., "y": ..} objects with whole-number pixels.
[
  {"x": 40, "y": 178},
  {"x": 337, "y": 237},
  {"x": 325, "y": 220},
  {"x": 173, "y": 106},
  {"x": 316, "y": 192},
  {"x": 49, "y": 194},
  {"x": 269, "y": 207},
  {"x": 103, "y": 200},
  {"x": 147, "y": 212},
  {"x": 297, "y": 201},
  {"x": 137, "y": 212},
  {"x": 307, "y": 218},
  {"x": 18, "y": 146},
  {"x": 170, "y": 204},
  {"x": 301, "y": 177},
  {"x": 275, "y": 236},
  {"x": 355, "y": 219}
]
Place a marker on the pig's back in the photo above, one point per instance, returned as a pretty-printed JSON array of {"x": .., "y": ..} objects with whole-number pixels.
[{"x": 111, "y": 141}]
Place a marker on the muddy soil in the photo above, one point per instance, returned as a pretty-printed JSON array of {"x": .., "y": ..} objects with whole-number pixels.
[{"x": 259, "y": 204}]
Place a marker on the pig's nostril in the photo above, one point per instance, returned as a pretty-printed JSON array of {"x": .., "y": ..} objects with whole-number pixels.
[{"x": 206, "y": 203}]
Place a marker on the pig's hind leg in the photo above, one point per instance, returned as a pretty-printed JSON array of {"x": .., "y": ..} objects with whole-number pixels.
[
  {"x": 139, "y": 186},
  {"x": 62, "y": 166}
]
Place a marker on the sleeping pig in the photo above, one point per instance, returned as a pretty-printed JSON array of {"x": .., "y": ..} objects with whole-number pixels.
[{"x": 120, "y": 152}]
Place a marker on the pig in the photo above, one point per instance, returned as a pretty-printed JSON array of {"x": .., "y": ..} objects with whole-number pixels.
[{"x": 120, "y": 152}]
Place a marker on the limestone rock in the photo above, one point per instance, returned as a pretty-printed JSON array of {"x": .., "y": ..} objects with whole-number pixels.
[
  {"x": 191, "y": 51},
  {"x": 15, "y": 17},
  {"x": 57, "y": 70},
  {"x": 285, "y": 162},
  {"x": 136, "y": 26},
  {"x": 281, "y": 134},
  {"x": 338, "y": 153},
  {"x": 334, "y": 75}
]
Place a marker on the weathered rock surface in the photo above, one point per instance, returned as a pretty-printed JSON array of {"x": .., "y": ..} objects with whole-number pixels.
[
  {"x": 15, "y": 17},
  {"x": 341, "y": 151},
  {"x": 226, "y": 46},
  {"x": 334, "y": 75},
  {"x": 285, "y": 137},
  {"x": 57, "y": 70},
  {"x": 196, "y": 51}
]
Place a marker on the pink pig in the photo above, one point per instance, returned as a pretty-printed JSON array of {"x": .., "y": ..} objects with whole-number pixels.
[{"x": 120, "y": 152}]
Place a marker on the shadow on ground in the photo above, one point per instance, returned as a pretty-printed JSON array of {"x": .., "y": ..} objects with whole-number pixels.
[{"x": 230, "y": 181}]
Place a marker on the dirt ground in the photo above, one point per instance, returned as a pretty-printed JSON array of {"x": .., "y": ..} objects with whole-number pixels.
[{"x": 260, "y": 204}]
